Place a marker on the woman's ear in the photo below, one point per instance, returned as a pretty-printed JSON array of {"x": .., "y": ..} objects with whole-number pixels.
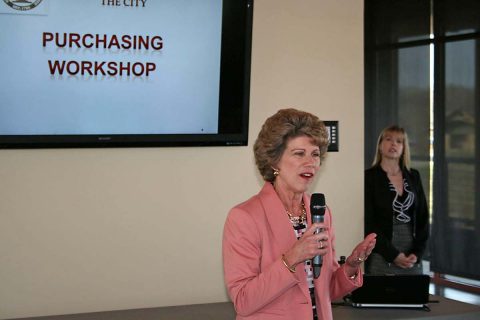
[{"x": 276, "y": 172}]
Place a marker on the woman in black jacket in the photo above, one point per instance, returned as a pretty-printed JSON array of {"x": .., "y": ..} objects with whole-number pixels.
[{"x": 395, "y": 207}]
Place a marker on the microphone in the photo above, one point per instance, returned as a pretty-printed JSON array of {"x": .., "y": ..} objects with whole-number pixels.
[{"x": 317, "y": 209}]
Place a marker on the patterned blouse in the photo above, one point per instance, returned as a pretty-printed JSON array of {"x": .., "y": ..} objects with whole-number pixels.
[{"x": 299, "y": 229}]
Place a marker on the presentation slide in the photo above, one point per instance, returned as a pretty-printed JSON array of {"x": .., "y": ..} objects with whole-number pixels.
[{"x": 109, "y": 66}]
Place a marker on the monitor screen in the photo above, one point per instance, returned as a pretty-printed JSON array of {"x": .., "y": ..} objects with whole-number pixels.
[{"x": 100, "y": 73}]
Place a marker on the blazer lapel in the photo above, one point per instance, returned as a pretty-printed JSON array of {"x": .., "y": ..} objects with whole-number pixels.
[
  {"x": 277, "y": 218},
  {"x": 282, "y": 229}
]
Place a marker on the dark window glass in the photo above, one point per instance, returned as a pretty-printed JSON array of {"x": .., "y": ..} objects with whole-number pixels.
[
  {"x": 397, "y": 21},
  {"x": 414, "y": 106},
  {"x": 457, "y": 17},
  {"x": 460, "y": 123},
  {"x": 399, "y": 88}
]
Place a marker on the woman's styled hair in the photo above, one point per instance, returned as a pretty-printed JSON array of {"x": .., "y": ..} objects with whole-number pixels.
[
  {"x": 405, "y": 157},
  {"x": 278, "y": 129}
]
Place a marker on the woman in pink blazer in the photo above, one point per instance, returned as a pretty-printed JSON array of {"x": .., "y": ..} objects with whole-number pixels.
[{"x": 269, "y": 240}]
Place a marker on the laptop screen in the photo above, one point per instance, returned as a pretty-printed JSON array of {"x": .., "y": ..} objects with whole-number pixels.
[{"x": 392, "y": 290}]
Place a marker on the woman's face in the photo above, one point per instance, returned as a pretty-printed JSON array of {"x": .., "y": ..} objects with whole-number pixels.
[
  {"x": 298, "y": 165},
  {"x": 391, "y": 146}
]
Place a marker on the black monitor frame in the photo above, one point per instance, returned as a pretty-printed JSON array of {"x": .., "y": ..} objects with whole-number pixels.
[{"x": 234, "y": 100}]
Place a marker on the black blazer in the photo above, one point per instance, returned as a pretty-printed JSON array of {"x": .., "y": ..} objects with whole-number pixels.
[{"x": 379, "y": 213}]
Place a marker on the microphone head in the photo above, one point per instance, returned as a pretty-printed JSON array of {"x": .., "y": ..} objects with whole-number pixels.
[{"x": 317, "y": 204}]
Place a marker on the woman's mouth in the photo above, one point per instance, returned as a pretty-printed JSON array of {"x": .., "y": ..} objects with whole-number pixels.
[{"x": 306, "y": 175}]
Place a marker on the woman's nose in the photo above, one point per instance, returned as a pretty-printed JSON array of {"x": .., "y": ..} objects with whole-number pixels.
[{"x": 311, "y": 160}]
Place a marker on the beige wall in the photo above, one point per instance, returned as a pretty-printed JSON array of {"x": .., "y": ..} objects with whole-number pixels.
[{"x": 86, "y": 230}]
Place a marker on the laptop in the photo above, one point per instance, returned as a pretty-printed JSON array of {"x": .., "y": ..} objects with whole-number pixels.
[{"x": 392, "y": 291}]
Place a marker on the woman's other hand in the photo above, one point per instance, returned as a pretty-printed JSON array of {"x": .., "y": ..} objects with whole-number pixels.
[
  {"x": 405, "y": 262},
  {"x": 360, "y": 254}
]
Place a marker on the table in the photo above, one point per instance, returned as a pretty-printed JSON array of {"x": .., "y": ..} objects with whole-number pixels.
[{"x": 441, "y": 309}]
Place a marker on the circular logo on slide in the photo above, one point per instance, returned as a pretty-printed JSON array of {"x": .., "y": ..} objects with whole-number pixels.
[{"x": 22, "y": 5}]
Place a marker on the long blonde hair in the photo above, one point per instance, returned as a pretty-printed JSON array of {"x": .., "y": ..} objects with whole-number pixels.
[{"x": 405, "y": 157}]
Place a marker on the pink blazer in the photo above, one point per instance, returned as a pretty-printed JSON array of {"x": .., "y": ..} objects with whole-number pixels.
[{"x": 256, "y": 234}]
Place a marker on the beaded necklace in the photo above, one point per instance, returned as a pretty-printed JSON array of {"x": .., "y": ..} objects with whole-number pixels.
[{"x": 297, "y": 220}]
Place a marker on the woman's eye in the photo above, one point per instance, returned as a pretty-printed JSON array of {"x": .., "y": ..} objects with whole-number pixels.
[{"x": 316, "y": 155}]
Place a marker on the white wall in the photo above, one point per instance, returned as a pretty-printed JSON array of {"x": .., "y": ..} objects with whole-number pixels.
[{"x": 85, "y": 230}]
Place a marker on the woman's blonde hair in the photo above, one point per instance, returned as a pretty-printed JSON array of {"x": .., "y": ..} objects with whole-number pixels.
[
  {"x": 405, "y": 157},
  {"x": 278, "y": 129}
]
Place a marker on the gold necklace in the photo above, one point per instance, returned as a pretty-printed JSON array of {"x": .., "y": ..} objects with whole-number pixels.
[{"x": 297, "y": 220}]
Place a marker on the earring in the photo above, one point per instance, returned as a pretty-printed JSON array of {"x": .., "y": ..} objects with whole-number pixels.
[{"x": 276, "y": 172}]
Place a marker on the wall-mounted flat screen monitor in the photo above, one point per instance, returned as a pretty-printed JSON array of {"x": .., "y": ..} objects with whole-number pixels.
[{"x": 121, "y": 73}]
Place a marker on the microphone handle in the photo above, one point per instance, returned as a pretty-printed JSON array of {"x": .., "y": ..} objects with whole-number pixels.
[{"x": 317, "y": 260}]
